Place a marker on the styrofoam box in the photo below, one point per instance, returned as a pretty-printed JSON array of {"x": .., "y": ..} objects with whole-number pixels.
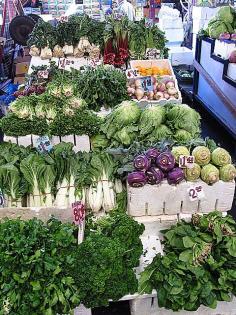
[
  {"x": 153, "y": 200},
  {"x": 180, "y": 56},
  {"x": 36, "y": 61},
  {"x": 198, "y": 24},
  {"x": 170, "y": 23},
  {"x": 232, "y": 71},
  {"x": 174, "y": 35},
  {"x": 203, "y": 12},
  {"x": 223, "y": 49}
]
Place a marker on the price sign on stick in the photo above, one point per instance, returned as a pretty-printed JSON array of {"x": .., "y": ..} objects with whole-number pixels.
[
  {"x": 186, "y": 161},
  {"x": 63, "y": 18},
  {"x": 147, "y": 84},
  {"x": 196, "y": 193},
  {"x": 65, "y": 63},
  {"x": 2, "y": 201},
  {"x": 152, "y": 53},
  {"x": 43, "y": 74},
  {"x": 43, "y": 144},
  {"x": 131, "y": 73},
  {"x": 78, "y": 210}
]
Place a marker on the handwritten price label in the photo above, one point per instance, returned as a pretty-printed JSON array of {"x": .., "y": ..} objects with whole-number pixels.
[
  {"x": 63, "y": 19},
  {"x": 147, "y": 84},
  {"x": 2, "y": 41},
  {"x": 43, "y": 74},
  {"x": 78, "y": 209},
  {"x": 132, "y": 73},
  {"x": 196, "y": 193},
  {"x": 43, "y": 144},
  {"x": 186, "y": 161},
  {"x": 65, "y": 63},
  {"x": 152, "y": 53}
]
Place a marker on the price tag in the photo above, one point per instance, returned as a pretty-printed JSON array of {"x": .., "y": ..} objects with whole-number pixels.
[
  {"x": 78, "y": 210},
  {"x": 152, "y": 53},
  {"x": 43, "y": 144},
  {"x": 94, "y": 62},
  {"x": 43, "y": 74},
  {"x": 82, "y": 310},
  {"x": 186, "y": 161},
  {"x": 132, "y": 73},
  {"x": 195, "y": 193},
  {"x": 63, "y": 18},
  {"x": 147, "y": 84},
  {"x": 2, "y": 200},
  {"x": 2, "y": 41},
  {"x": 65, "y": 63}
]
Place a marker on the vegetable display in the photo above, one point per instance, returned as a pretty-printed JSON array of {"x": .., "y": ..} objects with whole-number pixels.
[
  {"x": 198, "y": 266},
  {"x": 52, "y": 274},
  {"x": 128, "y": 123},
  {"x": 223, "y": 24}
]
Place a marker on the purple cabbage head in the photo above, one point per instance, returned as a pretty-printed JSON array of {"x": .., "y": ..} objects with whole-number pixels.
[
  {"x": 137, "y": 179},
  {"x": 175, "y": 176},
  {"x": 142, "y": 163},
  {"x": 165, "y": 161},
  {"x": 154, "y": 176},
  {"x": 152, "y": 154}
]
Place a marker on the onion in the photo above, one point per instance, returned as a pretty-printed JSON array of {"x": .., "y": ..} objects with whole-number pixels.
[
  {"x": 166, "y": 96},
  {"x": 170, "y": 84},
  {"x": 161, "y": 87},
  {"x": 232, "y": 57},
  {"x": 172, "y": 91},
  {"x": 224, "y": 36},
  {"x": 158, "y": 96},
  {"x": 233, "y": 36},
  {"x": 151, "y": 95},
  {"x": 130, "y": 90},
  {"x": 138, "y": 83},
  {"x": 139, "y": 93}
]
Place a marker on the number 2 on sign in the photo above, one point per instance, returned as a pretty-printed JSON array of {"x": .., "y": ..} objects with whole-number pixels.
[{"x": 196, "y": 193}]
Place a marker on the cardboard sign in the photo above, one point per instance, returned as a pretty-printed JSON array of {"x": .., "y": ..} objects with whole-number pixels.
[
  {"x": 152, "y": 53},
  {"x": 43, "y": 144},
  {"x": 42, "y": 74},
  {"x": 78, "y": 211},
  {"x": 196, "y": 193},
  {"x": 186, "y": 161},
  {"x": 63, "y": 18},
  {"x": 147, "y": 83},
  {"x": 132, "y": 73},
  {"x": 65, "y": 63},
  {"x": 2, "y": 41}
]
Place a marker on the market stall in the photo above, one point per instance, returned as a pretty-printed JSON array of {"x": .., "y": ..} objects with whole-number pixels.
[{"x": 100, "y": 155}]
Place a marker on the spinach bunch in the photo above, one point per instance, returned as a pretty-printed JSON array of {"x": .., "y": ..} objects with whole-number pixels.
[
  {"x": 198, "y": 266},
  {"x": 37, "y": 261}
]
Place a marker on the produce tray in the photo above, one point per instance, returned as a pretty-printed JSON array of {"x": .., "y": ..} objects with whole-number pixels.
[
  {"x": 167, "y": 199},
  {"x": 179, "y": 77},
  {"x": 160, "y": 63},
  {"x": 81, "y": 143}
]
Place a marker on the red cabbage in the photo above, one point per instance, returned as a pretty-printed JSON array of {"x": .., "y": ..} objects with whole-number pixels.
[
  {"x": 137, "y": 179},
  {"x": 175, "y": 176},
  {"x": 152, "y": 154},
  {"x": 142, "y": 163},
  {"x": 154, "y": 176},
  {"x": 165, "y": 161}
]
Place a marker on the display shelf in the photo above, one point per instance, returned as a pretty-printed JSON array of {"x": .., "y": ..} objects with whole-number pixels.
[
  {"x": 152, "y": 200},
  {"x": 212, "y": 85}
]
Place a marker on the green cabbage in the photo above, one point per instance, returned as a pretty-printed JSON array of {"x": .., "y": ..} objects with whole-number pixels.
[
  {"x": 202, "y": 155},
  {"x": 182, "y": 135},
  {"x": 225, "y": 14},
  {"x": 150, "y": 119},
  {"x": 184, "y": 117},
  {"x": 179, "y": 150},
  {"x": 193, "y": 173},
  {"x": 126, "y": 135},
  {"x": 220, "y": 157},
  {"x": 210, "y": 174},
  {"x": 162, "y": 132},
  {"x": 217, "y": 28},
  {"x": 99, "y": 141},
  {"x": 227, "y": 172}
]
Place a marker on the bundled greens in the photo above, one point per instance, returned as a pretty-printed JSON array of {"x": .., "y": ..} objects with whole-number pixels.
[{"x": 198, "y": 264}]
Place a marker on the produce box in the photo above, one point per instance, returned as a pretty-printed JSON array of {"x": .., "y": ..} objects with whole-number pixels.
[
  {"x": 81, "y": 143},
  {"x": 22, "y": 67},
  {"x": 152, "y": 200},
  {"x": 163, "y": 65}
]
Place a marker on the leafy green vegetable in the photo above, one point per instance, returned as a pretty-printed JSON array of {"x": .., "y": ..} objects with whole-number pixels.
[{"x": 151, "y": 118}]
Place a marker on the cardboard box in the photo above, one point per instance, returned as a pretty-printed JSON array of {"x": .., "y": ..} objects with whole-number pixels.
[
  {"x": 22, "y": 67},
  {"x": 19, "y": 80}
]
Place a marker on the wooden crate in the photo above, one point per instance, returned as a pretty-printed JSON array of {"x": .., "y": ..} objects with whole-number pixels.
[{"x": 153, "y": 200}]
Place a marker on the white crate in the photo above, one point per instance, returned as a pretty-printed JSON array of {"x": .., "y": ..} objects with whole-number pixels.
[
  {"x": 170, "y": 23},
  {"x": 203, "y": 12},
  {"x": 174, "y": 34},
  {"x": 152, "y": 200},
  {"x": 180, "y": 56},
  {"x": 199, "y": 24},
  {"x": 231, "y": 73},
  {"x": 223, "y": 49},
  {"x": 149, "y": 306}
]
